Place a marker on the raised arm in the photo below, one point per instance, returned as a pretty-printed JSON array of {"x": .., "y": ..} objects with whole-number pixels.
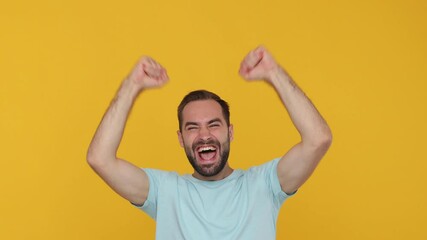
[
  {"x": 123, "y": 177},
  {"x": 299, "y": 162}
]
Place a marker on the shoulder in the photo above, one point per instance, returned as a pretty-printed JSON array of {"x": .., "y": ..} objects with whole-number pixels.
[
  {"x": 265, "y": 168},
  {"x": 159, "y": 176}
]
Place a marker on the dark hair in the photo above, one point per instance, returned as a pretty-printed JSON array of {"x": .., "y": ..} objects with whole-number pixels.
[{"x": 203, "y": 95}]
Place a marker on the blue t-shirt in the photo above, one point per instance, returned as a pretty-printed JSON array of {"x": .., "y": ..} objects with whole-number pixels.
[{"x": 243, "y": 205}]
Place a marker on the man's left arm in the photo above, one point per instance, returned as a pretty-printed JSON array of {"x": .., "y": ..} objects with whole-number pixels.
[{"x": 296, "y": 166}]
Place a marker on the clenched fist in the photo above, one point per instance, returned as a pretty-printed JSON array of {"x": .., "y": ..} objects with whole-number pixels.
[
  {"x": 259, "y": 65},
  {"x": 147, "y": 73}
]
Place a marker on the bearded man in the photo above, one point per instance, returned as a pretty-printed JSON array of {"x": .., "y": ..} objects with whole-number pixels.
[{"x": 215, "y": 201}]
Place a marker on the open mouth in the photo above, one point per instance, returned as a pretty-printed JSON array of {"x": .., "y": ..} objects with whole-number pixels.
[{"x": 207, "y": 153}]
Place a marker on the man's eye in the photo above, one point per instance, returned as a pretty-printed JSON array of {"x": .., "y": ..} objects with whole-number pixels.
[
  {"x": 191, "y": 128},
  {"x": 214, "y": 125}
]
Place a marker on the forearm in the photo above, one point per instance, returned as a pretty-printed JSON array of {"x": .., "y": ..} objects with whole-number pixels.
[
  {"x": 300, "y": 161},
  {"x": 107, "y": 138},
  {"x": 304, "y": 115},
  {"x": 123, "y": 177}
]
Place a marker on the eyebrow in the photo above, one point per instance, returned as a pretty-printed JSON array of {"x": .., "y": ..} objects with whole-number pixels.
[
  {"x": 190, "y": 123},
  {"x": 209, "y": 122},
  {"x": 215, "y": 120}
]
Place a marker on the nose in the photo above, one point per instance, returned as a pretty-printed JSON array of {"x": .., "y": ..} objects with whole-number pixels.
[{"x": 204, "y": 133}]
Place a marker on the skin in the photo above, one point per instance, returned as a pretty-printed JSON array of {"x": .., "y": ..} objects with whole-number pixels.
[
  {"x": 296, "y": 166},
  {"x": 131, "y": 182},
  {"x": 203, "y": 121},
  {"x": 128, "y": 180}
]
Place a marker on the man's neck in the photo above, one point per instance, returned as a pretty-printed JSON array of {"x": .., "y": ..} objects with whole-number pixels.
[{"x": 225, "y": 172}]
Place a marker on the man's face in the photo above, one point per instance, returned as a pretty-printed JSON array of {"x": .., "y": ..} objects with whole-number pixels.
[{"x": 205, "y": 137}]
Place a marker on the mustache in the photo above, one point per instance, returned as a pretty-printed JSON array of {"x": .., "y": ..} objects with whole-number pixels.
[{"x": 205, "y": 142}]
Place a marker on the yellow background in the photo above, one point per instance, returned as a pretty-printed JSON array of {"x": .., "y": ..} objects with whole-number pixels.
[{"x": 363, "y": 64}]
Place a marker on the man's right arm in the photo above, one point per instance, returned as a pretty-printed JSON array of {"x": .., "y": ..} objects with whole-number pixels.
[{"x": 128, "y": 180}]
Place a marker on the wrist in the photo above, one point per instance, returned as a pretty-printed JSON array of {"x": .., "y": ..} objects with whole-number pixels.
[
  {"x": 130, "y": 88},
  {"x": 277, "y": 76}
]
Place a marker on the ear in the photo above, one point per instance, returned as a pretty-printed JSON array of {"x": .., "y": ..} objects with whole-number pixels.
[
  {"x": 181, "y": 141},
  {"x": 231, "y": 132}
]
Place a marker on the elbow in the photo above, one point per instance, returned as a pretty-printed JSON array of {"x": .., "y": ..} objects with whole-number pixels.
[
  {"x": 99, "y": 160},
  {"x": 322, "y": 141},
  {"x": 93, "y": 159},
  {"x": 325, "y": 140}
]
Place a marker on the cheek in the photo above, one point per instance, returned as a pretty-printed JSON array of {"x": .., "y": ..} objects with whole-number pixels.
[
  {"x": 222, "y": 136},
  {"x": 188, "y": 140}
]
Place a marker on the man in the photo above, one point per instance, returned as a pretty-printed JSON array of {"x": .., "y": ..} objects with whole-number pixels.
[{"x": 215, "y": 202}]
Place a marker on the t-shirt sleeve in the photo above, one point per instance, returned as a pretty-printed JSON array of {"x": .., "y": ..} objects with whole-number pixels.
[
  {"x": 155, "y": 179},
  {"x": 269, "y": 172}
]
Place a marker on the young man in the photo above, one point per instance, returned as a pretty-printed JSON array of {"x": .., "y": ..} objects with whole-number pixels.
[{"x": 215, "y": 202}]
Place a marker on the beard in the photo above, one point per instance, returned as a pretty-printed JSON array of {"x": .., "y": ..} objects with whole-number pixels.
[{"x": 210, "y": 169}]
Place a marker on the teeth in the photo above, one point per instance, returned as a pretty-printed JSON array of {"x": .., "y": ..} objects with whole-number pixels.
[{"x": 210, "y": 148}]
